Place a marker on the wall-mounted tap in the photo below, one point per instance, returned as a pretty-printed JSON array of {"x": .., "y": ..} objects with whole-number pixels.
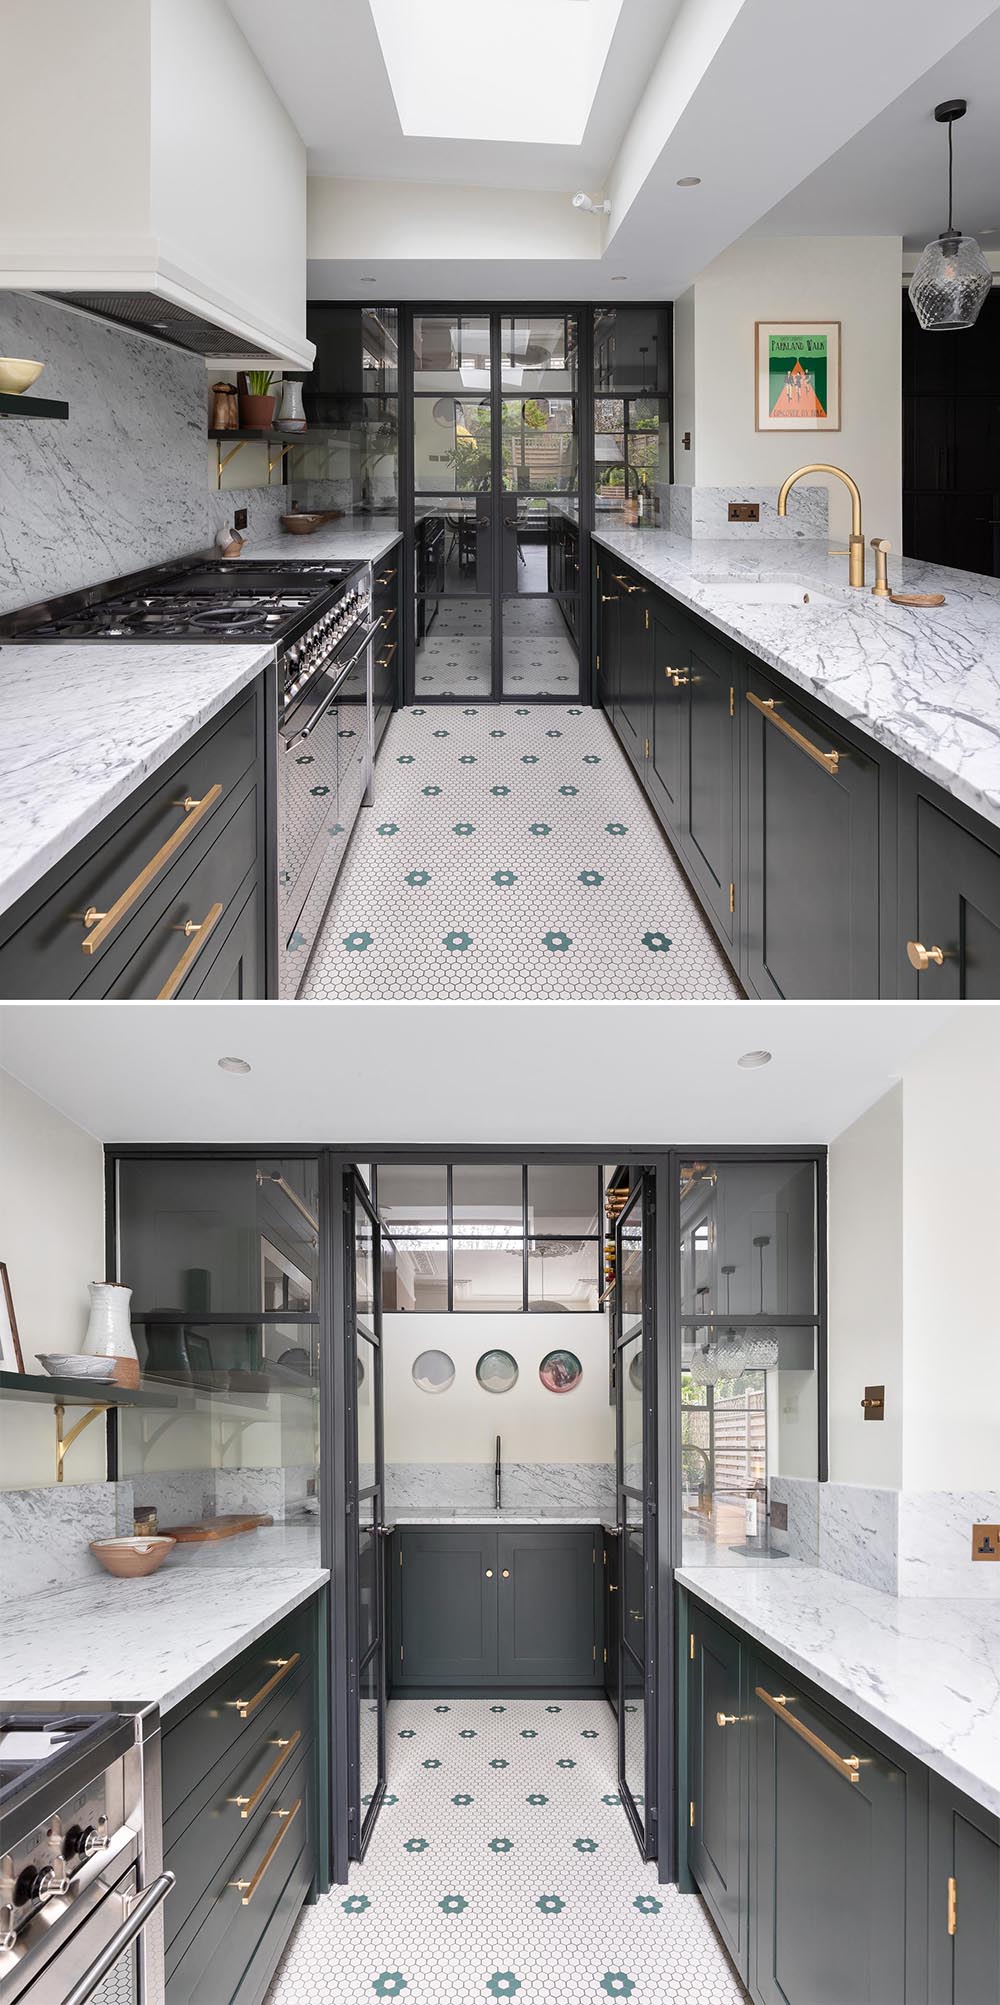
[
  {"x": 497, "y": 1479},
  {"x": 856, "y": 548}
]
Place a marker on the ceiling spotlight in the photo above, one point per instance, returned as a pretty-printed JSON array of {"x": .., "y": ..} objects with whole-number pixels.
[
  {"x": 581, "y": 201},
  {"x": 233, "y": 1065},
  {"x": 689, "y": 181},
  {"x": 751, "y": 1059}
]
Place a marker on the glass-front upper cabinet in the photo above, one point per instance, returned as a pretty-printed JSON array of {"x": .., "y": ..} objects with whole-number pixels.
[
  {"x": 748, "y": 1238},
  {"x": 631, "y": 408},
  {"x": 201, "y": 1237}
]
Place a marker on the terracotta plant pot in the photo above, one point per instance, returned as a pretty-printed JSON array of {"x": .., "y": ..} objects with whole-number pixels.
[{"x": 257, "y": 413}]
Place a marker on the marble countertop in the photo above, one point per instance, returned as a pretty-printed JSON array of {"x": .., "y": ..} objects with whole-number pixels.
[
  {"x": 442, "y": 1515},
  {"x": 925, "y": 1672},
  {"x": 925, "y": 683},
  {"x": 365, "y": 537},
  {"x": 82, "y": 724},
  {"x": 148, "y": 1642}
]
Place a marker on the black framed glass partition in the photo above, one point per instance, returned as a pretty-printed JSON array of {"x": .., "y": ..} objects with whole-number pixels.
[{"x": 503, "y": 1237}]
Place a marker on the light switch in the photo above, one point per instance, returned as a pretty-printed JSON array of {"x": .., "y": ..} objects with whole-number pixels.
[{"x": 986, "y": 1542}]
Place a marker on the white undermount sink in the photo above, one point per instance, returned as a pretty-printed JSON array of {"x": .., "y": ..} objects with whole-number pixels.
[{"x": 750, "y": 592}]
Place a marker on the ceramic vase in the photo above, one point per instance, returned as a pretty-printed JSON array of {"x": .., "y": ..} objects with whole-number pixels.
[
  {"x": 109, "y": 1331},
  {"x": 291, "y": 416}
]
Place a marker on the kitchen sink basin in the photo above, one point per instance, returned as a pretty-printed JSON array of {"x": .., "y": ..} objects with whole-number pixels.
[{"x": 748, "y": 592}]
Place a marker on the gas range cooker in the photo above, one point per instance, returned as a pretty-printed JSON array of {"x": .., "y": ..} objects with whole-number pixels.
[{"x": 215, "y": 599}]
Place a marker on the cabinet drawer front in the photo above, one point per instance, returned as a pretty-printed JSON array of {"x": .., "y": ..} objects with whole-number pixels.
[
  {"x": 210, "y": 1728},
  {"x": 234, "y": 973},
  {"x": 45, "y": 957}
]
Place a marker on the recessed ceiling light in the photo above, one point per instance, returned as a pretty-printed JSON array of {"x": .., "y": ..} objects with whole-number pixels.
[
  {"x": 619, "y": 278},
  {"x": 689, "y": 181},
  {"x": 235, "y": 1065},
  {"x": 751, "y": 1059},
  {"x": 368, "y": 278}
]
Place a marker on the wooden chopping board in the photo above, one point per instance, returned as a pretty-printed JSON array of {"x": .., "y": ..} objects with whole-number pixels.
[{"x": 224, "y": 1527}]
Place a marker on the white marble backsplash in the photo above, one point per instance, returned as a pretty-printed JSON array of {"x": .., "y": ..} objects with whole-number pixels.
[
  {"x": 704, "y": 511},
  {"x": 858, "y": 1533},
  {"x": 586, "y": 1486},
  {"x": 935, "y": 1543},
  {"x": 800, "y": 1538},
  {"x": 45, "y": 1534},
  {"x": 178, "y": 1496},
  {"x": 281, "y": 1493}
]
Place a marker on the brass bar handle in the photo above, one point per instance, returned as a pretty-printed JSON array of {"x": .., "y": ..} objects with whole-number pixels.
[
  {"x": 620, "y": 579},
  {"x": 680, "y": 677},
  {"x": 920, "y": 957},
  {"x": 387, "y": 618},
  {"x": 248, "y": 1888},
  {"x": 609, "y": 598},
  {"x": 248, "y": 1804},
  {"x": 386, "y": 577},
  {"x": 197, "y": 932},
  {"x": 283, "y": 1665},
  {"x": 830, "y": 761},
  {"x": 385, "y": 659},
  {"x": 846, "y": 1765},
  {"x": 952, "y": 1907},
  {"x": 104, "y": 923}
]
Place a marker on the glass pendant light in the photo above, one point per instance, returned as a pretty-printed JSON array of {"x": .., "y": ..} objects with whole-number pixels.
[{"x": 953, "y": 277}]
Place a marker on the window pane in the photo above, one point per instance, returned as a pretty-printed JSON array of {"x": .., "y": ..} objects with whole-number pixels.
[
  {"x": 368, "y": 1729},
  {"x": 539, "y": 444},
  {"x": 422, "y": 1274},
  {"x": 452, "y": 443},
  {"x": 413, "y": 1197},
  {"x": 451, "y": 352},
  {"x": 563, "y": 1199},
  {"x": 202, "y": 1237},
  {"x": 368, "y": 1360},
  {"x": 749, "y": 1441},
  {"x": 748, "y": 1238},
  {"x": 538, "y": 353},
  {"x": 540, "y": 655},
  {"x": 563, "y": 1274},
  {"x": 453, "y": 547},
  {"x": 487, "y": 1200},
  {"x": 631, "y": 350},
  {"x": 454, "y": 648},
  {"x": 488, "y": 1275}
]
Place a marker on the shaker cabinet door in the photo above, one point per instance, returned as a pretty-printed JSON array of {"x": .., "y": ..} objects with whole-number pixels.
[
  {"x": 957, "y": 911},
  {"x": 447, "y": 1606},
  {"x": 717, "y": 1730},
  {"x": 548, "y": 1593},
  {"x": 963, "y": 1910},
  {"x": 708, "y": 817}
]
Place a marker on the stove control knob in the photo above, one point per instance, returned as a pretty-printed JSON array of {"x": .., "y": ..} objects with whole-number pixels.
[
  {"x": 96, "y": 1840},
  {"x": 8, "y": 1933},
  {"x": 51, "y": 1882}
]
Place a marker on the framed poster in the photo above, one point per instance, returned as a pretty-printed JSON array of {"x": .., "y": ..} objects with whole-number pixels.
[
  {"x": 10, "y": 1347},
  {"x": 797, "y": 375}
]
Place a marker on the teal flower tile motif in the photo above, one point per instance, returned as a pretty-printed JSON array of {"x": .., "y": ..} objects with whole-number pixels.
[
  {"x": 539, "y": 828},
  {"x": 591, "y": 758},
  {"x": 430, "y": 1764},
  {"x": 522, "y": 713},
  {"x": 417, "y": 877},
  {"x": 565, "y": 1761},
  {"x": 388, "y": 828},
  {"x": 357, "y": 943},
  {"x": 297, "y": 940},
  {"x": 335, "y": 828},
  {"x": 589, "y": 1733},
  {"x": 387, "y": 1801},
  {"x": 318, "y": 792},
  {"x": 467, "y": 759},
  {"x": 457, "y": 943},
  {"x": 550, "y": 1904},
  {"x": 656, "y": 942},
  {"x": 498, "y": 734},
  {"x": 529, "y": 1733},
  {"x": 442, "y": 734},
  {"x": 405, "y": 759},
  {"x": 442, "y": 1709},
  {"x": 464, "y": 828},
  {"x": 614, "y": 1800},
  {"x": 453, "y": 1904},
  {"x": 557, "y": 943},
  {"x": 616, "y": 827},
  {"x": 590, "y": 877},
  {"x": 389, "y": 1984},
  {"x": 585, "y": 1844},
  {"x": 462, "y": 1801},
  {"x": 569, "y": 791},
  {"x": 647, "y": 1904},
  {"x": 305, "y": 759},
  {"x": 415, "y": 1845},
  {"x": 498, "y": 1762},
  {"x": 503, "y": 1984},
  {"x": 537, "y": 1798},
  {"x": 571, "y": 713},
  {"x": 418, "y": 713},
  {"x": 355, "y": 1904},
  {"x": 553, "y": 734},
  {"x": 553, "y": 1709},
  {"x": 616, "y": 1984},
  {"x": 406, "y": 1733},
  {"x": 470, "y": 713},
  {"x": 500, "y": 792},
  {"x": 467, "y": 1733},
  {"x": 431, "y": 792},
  {"x": 501, "y": 1844},
  {"x": 498, "y": 1709},
  {"x": 529, "y": 758}
]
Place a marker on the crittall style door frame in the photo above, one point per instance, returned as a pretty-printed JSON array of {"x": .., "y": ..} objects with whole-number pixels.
[{"x": 636, "y": 1499}]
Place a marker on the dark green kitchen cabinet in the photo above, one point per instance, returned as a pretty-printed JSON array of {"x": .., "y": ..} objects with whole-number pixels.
[
  {"x": 669, "y": 671},
  {"x": 476, "y": 1607},
  {"x": 708, "y": 822},
  {"x": 963, "y": 1907},
  {"x": 608, "y": 598},
  {"x": 952, "y": 906},
  {"x": 813, "y": 870},
  {"x": 717, "y": 1779},
  {"x": 632, "y": 712}
]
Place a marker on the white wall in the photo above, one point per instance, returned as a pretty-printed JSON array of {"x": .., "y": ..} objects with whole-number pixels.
[
  {"x": 685, "y": 360},
  {"x": 856, "y": 280},
  {"x": 461, "y": 1425},
  {"x": 865, "y": 1294},
  {"x": 404, "y": 219},
  {"x": 52, "y": 1240}
]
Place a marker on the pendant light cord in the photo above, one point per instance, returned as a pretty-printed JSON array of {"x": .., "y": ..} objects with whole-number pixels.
[{"x": 951, "y": 166}]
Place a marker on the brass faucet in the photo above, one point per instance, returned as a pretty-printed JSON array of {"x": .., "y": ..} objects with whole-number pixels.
[{"x": 856, "y": 548}]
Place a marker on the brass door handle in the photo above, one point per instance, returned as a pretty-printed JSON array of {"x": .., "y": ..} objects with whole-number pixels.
[
  {"x": 952, "y": 1907},
  {"x": 727, "y": 1719},
  {"x": 248, "y": 1888},
  {"x": 612, "y": 1589},
  {"x": 846, "y": 1765},
  {"x": 283, "y": 1665},
  {"x": 609, "y": 598},
  {"x": 830, "y": 761},
  {"x": 197, "y": 932},
  {"x": 920, "y": 957},
  {"x": 678, "y": 676},
  {"x": 103, "y": 924},
  {"x": 248, "y": 1804}
]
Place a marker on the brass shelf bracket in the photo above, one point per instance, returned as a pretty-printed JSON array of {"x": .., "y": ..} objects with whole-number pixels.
[
  {"x": 222, "y": 459},
  {"x": 64, "y": 1440},
  {"x": 278, "y": 457}
]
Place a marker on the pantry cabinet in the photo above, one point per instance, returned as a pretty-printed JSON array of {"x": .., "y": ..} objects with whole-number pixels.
[{"x": 481, "y": 1607}]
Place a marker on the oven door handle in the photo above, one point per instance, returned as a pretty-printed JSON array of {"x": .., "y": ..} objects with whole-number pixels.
[
  {"x": 343, "y": 669},
  {"x": 146, "y": 1905}
]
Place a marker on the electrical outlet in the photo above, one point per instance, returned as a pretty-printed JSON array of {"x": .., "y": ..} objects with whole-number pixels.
[
  {"x": 986, "y": 1542},
  {"x": 240, "y": 519},
  {"x": 744, "y": 511}
]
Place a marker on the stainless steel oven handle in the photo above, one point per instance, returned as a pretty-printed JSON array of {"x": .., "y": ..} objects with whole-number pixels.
[
  {"x": 147, "y": 1903},
  {"x": 343, "y": 669}
]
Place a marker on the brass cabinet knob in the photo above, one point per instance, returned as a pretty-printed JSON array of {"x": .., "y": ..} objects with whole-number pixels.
[
  {"x": 506, "y": 1572},
  {"x": 725, "y": 1719},
  {"x": 920, "y": 957},
  {"x": 489, "y": 1573}
]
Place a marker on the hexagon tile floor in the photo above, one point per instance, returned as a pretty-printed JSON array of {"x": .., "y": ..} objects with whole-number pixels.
[
  {"x": 502, "y": 1866},
  {"x": 510, "y": 853}
]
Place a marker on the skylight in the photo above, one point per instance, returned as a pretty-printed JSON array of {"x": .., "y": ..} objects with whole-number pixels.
[{"x": 526, "y": 72}]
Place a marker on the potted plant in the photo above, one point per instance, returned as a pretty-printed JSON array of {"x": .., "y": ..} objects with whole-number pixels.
[{"x": 256, "y": 405}]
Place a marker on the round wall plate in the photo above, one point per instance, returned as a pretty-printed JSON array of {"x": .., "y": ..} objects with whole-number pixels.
[
  {"x": 497, "y": 1371},
  {"x": 433, "y": 1371},
  {"x": 560, "y": 1371}
]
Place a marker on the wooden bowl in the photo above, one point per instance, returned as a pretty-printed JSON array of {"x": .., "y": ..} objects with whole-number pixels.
[
  {"x": 303, "y": 521},
  {"x": 17, "y": 375},
  {"x": 130, "y": 1559}
]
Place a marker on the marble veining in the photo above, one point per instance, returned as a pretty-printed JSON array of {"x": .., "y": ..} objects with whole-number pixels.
[
  {"x": 365, "y": 537},
  {"x": 935, "y": 1543},
  {"x": 83, "y": 723},
  {"x": 45, "y": 1534},
  {"x": 800, "y": 1539},
  {"x": 923, "y": 682},
  {"x": 926, "y": 1672},
  {"x": 444, "y": 1514},
  {"x": 858, "y": 1531},
  {"x": 545, "y": 1486},
  {"x": 704, "y": 511}
]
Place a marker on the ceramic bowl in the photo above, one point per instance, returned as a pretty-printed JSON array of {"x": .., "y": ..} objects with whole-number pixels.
[
  {"x": 17, "y": 375},
  {"x": 78, "y": 1365},
  {"x": 303, "y": 521},
  {"x": 128, "y": 1559}
]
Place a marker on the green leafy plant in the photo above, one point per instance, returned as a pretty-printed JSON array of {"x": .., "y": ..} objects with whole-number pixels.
[{"x": 259, "y": 382}]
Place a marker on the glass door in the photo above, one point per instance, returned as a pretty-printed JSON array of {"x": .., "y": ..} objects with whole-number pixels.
[
  {"x": 365, "y": 1516},
  {"x": 635, "y": 1379},
  {"x": 496, "y": 507}
]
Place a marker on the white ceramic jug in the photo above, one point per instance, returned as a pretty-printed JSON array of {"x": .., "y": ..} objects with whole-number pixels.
[{"x": 109, "y": 1331}]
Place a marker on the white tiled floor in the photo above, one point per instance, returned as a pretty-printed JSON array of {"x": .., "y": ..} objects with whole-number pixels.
[
  {"x": 502, "y": 1866},
  {"x": 511, "y": 853}
]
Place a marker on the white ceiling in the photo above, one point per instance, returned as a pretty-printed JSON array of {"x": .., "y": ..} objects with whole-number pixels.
[
  {"x": 611, "y": 1075},
  {"x": 893, "y": 177}
]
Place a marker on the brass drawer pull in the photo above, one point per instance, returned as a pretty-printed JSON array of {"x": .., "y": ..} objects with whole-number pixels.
[
  {"x": 620, "y": 579},
  {"x": 385, "y": 659},
  {"x": 248, "y": 1888},
  {"x": 952, "y": 1907},
  {"x": 386, "y": 577},
  {"x": 846, "y": 1765},
  {"x": 197, "y": 931},
  {"x": 920, "y": 957},
  {"x": 830, "y": 761},
  {"x": 282, "y": 1667},
  {"x": 104, "y": 923},
  {"x": 387, "y": 618},
  {"x": 248, "y": 1804}
]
